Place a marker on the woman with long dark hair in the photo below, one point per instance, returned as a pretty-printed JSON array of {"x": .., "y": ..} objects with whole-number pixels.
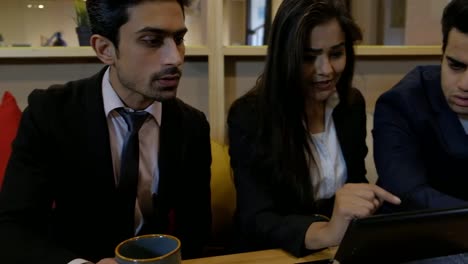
[{"x": 297, "y": 139}]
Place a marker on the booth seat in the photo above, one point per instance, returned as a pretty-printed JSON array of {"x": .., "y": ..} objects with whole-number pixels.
[
  {"x": 223, "y": 199},
  {"x": 10, "y": 116}
]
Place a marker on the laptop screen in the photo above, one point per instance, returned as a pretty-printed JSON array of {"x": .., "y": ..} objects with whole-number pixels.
[{"x": 395, "y": 238}]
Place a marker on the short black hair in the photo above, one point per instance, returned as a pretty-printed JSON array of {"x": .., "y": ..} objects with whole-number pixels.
[
  {"x": 455, "y": 16},
  {"x": 107, "y": 16}
]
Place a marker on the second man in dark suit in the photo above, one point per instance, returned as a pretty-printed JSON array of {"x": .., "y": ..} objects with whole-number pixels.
[{"x": 421, "y": 125}]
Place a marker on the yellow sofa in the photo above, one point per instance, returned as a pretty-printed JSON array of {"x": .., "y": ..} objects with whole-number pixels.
[{"x": 223, "y": 198}]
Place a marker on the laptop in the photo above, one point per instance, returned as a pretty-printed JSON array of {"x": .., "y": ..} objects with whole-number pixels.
[{"x": 402, "y": 237}]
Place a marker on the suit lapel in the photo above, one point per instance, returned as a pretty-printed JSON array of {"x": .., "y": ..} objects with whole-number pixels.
[
  {"x": 170, "y": 151},
  {"x": 97, "y": 138}
]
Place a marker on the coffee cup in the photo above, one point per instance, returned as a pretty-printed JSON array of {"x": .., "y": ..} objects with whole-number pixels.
[{"x": 149, "y": 249}]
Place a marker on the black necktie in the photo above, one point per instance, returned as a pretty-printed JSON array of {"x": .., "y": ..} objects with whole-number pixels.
[{"x": 129, "y": 171}]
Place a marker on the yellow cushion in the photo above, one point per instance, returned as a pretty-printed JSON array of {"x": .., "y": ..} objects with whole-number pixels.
[{"x": 223, "y": 194}]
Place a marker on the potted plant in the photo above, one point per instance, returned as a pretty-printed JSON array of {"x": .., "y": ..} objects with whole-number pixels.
[{"x": 83, "y": 27}]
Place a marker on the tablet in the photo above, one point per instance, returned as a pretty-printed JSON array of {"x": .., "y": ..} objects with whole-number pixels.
[{"x": 400, "y": 237}]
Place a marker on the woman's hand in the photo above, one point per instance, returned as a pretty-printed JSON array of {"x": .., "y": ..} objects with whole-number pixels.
[{"x": 351, "y": 201}]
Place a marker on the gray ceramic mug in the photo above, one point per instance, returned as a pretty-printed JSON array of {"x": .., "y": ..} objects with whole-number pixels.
[{"x": 149, "y": 249}]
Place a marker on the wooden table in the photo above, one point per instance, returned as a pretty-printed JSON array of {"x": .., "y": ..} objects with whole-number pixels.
[{"x": 271, "y": 256}]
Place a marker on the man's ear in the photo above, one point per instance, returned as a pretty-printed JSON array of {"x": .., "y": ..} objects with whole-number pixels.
[{"x": 104, "y": 49}]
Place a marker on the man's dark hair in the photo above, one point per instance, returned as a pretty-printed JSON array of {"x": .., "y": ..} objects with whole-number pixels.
[
  {"x": 107, "y": 16},
  {"x": 455, "y": 16}
]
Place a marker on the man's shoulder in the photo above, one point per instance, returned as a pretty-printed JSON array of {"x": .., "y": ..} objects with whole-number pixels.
[
  {"x": 188, "y": 112},
  {"x": 415, "y": 85},
  {"x": 63, "y": 95},
  {"x": 414, "y": 96}
]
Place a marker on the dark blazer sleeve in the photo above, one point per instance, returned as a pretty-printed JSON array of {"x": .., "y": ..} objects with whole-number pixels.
[
  {"x": 195, "y": 193},
  {"x": 25, "y": 200},
  {"x": 399, "y": 159},
  {"x": 261, "y": 223}
]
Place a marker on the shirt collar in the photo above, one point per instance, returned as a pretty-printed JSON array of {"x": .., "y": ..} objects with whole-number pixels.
[
  {"x": 464, "y": 122},
  {"x": 333, "y": 101},
  {"x": 112, "y": 101},
  {"x": 330, "y": 105}
]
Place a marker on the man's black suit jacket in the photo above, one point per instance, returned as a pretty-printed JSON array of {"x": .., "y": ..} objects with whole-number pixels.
[
  {"x": 62, "y": 155},
  {"x": 420, "y": 146},
  {"x": 269, "y": 219}
]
